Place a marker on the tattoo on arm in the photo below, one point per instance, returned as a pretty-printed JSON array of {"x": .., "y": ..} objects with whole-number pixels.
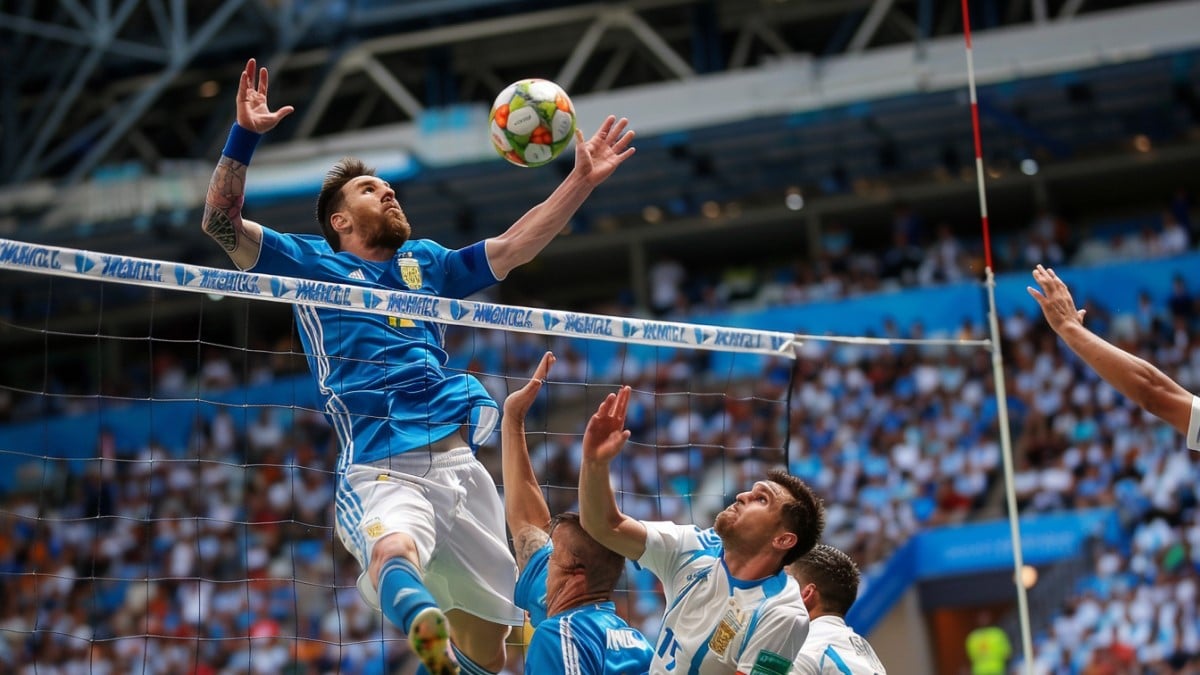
[
  {"x": 527, "y": 542},
  {"x": 223, "y": 204}
]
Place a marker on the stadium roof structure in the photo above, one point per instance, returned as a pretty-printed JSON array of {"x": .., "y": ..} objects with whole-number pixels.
[
  {"x": 115, "y": 112},
  {"x": 96, "y": 83}
]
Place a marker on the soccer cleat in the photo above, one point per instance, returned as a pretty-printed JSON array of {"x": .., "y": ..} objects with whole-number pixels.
[{"x": 429, "y": 637}]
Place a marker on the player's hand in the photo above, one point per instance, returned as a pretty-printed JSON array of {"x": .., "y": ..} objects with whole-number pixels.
[
  {"x": 1055, "y": 300},
  {"x": 252, "y": 111},
  {"x": 518, "y": 403},
  {"x": 599, "y": 156},
  {"x": 606, "y": 433}
]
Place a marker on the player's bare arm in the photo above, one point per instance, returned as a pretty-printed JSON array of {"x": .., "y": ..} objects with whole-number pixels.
[
  {"x": 240, "y": 238},
  {"x": 525, "y": 509},
  {"x": 223, "y": 220},
  {"x": 603, "y": 440},
  {"x": 1134, "y": 377},
  {"x": 595, "y": 160}
]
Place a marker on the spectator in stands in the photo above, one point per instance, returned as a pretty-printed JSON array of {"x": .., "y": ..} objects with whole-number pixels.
[
  {"x": 433, "y": 557},
  {"x": 988, "y": 647},
  {"x": 1134, "y": 377}
]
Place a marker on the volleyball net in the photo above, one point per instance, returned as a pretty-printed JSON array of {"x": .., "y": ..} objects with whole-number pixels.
[{"x": 167, "y": 477}]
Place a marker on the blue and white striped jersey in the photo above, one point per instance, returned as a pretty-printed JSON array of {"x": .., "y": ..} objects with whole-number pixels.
[
  {"x": 833, "y": 648},
  {"x": 716, "y": 624}
]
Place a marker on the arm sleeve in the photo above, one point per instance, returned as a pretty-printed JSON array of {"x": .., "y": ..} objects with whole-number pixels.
[
  {"x": 670, "y": 547},
  {"x": 531, "y": 585},
  {"x": 289, "y": 255},
  {"x": 467, "y": 270}
]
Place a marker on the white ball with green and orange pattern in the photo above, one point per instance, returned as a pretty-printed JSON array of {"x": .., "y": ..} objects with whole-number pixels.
[{"x": 532, "y": 121}]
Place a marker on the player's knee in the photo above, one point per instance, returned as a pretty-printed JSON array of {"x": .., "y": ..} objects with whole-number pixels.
[{"x": 395, "y": 545}]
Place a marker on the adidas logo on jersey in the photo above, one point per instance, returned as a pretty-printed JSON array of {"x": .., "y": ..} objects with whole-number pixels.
[{"x": 358, "y": 274}]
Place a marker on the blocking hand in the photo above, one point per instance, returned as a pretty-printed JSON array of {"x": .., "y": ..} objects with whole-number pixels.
[
  {"x": 606, "y": 433},
  {"x": 518, "y": 403},
  {"x": 252, "y": 111}
]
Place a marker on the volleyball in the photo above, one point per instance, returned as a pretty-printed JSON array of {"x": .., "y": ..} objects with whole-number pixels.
[{"x": 532, "y": 122}]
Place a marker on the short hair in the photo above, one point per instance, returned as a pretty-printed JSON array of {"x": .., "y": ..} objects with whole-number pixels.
[
  {"x": 329, "y": 201},
  {"x": 833, "y": 573},
  {"x": 602, "y": 566},
  {"x": 804, "y": 516}
]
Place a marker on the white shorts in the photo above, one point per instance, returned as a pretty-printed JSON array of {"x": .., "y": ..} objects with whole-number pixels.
[{"x": 448, "y": 503}]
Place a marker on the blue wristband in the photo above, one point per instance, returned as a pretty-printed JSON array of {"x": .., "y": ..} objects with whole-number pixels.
[{"x": 240, "y": 144}]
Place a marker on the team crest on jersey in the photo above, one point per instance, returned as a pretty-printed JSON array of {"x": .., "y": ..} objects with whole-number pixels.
[
  {"x": 373, "y": 528},
  {"x": 410, "y": 273},
  {"x": 730, "y": 624}
]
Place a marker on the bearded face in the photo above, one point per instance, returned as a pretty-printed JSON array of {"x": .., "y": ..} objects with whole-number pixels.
[{"x": 391, "y": 230}]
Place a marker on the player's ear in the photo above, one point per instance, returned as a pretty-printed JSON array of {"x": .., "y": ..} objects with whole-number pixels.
[
  {"x": 809, "y": 593},
  {"x": 339, "y": 222},
  {"x": 785, "y": 541}
]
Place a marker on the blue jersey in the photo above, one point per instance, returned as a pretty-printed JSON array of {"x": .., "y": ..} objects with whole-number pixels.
[
  {"x": 587, "y": 640},
  {"x": 381, "y": 378},
  {"x": 531, "y": 585},
  {"x": 716, "y": 624}
]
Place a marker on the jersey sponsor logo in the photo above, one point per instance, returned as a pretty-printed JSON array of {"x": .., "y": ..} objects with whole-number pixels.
[
  {"x": 623, "y": 638},
  {"x": 30, "y": 256},
  {"x": 132, "y": 270},
  {"x": 410, "y": 272},
  {"x": 770, "y": 663}
]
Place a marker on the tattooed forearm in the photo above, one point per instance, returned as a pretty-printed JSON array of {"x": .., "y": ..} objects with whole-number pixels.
[
  {"x": 223, "y": 204},
  {"x": 527, "y": 542},
  {"x": 218, "y": 226}
]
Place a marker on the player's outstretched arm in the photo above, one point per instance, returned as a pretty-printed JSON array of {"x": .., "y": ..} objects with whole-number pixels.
[
  {"x": 1137, "y": 379},
  {"x": 595, "y": 160},
  {"x": 223, "y": 220},
  {"x": 598, "y": 513},
  {"x": 524, "y": 507}
]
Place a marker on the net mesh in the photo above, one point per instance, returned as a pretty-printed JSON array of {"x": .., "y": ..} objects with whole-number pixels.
[{"x": 166, "y": 480}]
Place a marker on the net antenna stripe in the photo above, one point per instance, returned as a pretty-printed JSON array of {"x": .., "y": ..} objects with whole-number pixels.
[
  {"x": 76, "y": 263},
  {"x": 1001, "y": 395}
]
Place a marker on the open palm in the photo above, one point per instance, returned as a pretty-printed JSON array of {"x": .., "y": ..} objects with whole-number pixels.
[
  {"x": 252, "y": 110},
  {"x": 606, "y": 433},
  {"x": 597, "y": 157}
]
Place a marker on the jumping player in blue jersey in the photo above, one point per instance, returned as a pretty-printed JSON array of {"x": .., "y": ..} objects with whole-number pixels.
[
  {"x": 414, "y": 506},
  {"x": 731, "y": 608},
  {"x": 567, "y": 577},
  {"x": 828, "y": 581}
]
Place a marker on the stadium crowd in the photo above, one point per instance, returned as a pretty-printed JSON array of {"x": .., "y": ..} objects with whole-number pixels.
[{"x": 219, "y": 557}]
